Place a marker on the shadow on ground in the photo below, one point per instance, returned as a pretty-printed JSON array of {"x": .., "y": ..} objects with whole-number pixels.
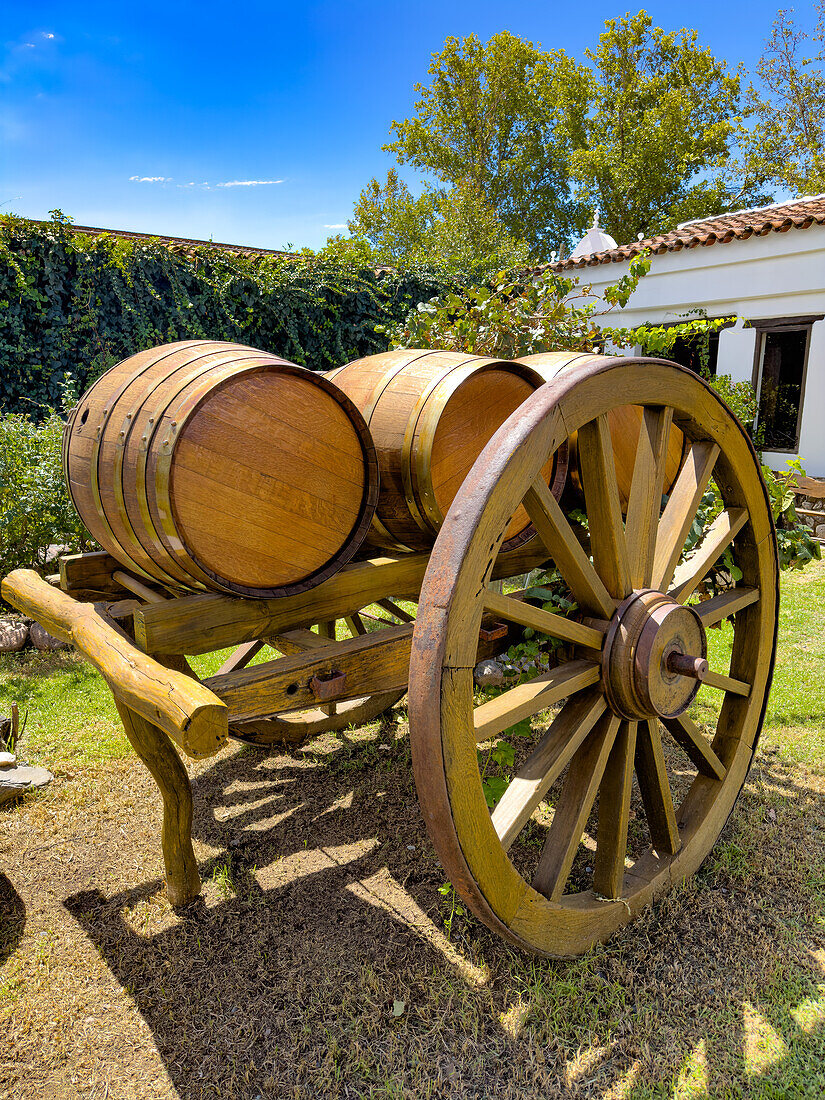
[
  {"x": 317, "y": 965},
  {"x": 12, "y": 919}
]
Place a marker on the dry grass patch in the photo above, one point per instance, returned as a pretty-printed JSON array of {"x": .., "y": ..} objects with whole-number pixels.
[{"x": 317, "y": 965}]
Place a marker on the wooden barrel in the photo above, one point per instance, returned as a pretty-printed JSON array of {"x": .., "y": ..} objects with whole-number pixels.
[
  {"x": 430, "y": 414},
  {"x": 625, "y": 423},
  {"x": 205, "y": 464}
]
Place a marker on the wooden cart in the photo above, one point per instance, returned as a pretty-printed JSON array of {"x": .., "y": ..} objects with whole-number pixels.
[{"x": 634, "y": 658}]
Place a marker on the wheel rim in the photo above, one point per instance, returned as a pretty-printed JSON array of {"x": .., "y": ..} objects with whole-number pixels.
[{"x": 599, "y": 743}]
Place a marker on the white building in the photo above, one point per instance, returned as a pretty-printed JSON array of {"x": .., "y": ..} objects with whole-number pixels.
[{"x": 765, "y": 266}]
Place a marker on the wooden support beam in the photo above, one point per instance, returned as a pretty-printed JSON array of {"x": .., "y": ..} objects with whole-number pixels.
[
  {"x": 154, "y": 748},
  {"x": 202, "y": 623},
  {"x": 371, "y": 664},
  {"x": 189, "y": 713}
]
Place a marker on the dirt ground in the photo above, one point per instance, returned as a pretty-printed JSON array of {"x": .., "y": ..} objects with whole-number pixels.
[{"x": 316, "y": 962}]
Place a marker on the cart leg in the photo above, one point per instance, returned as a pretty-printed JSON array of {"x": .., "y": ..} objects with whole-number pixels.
[{"x": 157, "y": 752}]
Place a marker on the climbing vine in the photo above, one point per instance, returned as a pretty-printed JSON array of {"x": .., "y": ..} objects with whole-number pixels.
[{"x": 73, "y": 303}]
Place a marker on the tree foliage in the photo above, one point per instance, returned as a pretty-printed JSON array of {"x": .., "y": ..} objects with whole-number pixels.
[
  {"x": 643, "y": 130},
  {"x": 511, "y": 318},
  {"x": 787, "y": 143},
  {"x": 455, "y": 228},
  {"x": 496, "y": 116},
  {"x": 657, "y": 130}
]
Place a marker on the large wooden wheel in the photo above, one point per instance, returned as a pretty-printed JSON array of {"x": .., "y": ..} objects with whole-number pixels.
[
  {"x": 636, "y": 656},
  {"x": 295, "y": 727}
]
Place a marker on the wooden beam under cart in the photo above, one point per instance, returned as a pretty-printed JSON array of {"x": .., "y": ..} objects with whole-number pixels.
[{"x": 367, "y": 665}]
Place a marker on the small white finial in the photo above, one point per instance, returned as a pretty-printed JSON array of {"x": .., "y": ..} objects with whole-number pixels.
[
  {"x": 596, "y": 218},
  {"x": 640, "y": 236},
  {"x": 553, "y": 256}
]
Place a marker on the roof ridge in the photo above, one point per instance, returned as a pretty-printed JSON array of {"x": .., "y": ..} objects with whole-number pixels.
[{"x": 751, "y": 210}]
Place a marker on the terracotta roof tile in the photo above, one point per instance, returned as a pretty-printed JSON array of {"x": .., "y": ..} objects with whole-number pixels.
[{"x": 759, "y": 221}]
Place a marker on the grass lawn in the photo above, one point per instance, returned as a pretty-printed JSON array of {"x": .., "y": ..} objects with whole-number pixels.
[{"x": 317, "y": 962}]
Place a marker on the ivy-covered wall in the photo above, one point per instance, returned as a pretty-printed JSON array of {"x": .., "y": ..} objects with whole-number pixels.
[{"x": 78, "y": 304}]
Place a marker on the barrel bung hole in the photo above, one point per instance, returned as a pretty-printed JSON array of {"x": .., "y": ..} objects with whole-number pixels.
[
  {"x": 292, "y": 689},
  {"x": 84, "y": 416}
]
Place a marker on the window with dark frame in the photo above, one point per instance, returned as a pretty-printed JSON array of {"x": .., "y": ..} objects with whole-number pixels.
[
  {"x": 696, "y": 352},
  {"x": 781, "y": 380}
]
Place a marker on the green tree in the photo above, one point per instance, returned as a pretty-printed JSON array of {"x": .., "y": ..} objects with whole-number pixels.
[
  {"x": 644, "y": 131},
  {"x": 661, "y": 120},
  {"x": 787, "y": 143},
  {"x": 454, "y": 227},
  {"x": 500, "y": 117}
]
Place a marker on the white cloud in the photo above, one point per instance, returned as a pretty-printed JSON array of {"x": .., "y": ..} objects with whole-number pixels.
[
  {"x": 28, "y": 45},
  {"x": 338, "y": 225},
  {"x": 248, "y": 183},
  {"x": 47, "y": 35},
  {"x": 151, "y": 179}
]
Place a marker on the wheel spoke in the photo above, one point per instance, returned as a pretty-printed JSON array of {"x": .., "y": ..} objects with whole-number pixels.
[
  {"x": 614, "y": 814},
  {"x": 687, "y": 734},
  {"x": 355, "y": 624},
  {"x": 726, "y": 603},
  {"x": 681, "y": 510},
  {"x": 546, "y": 763},
  {"x": 655, "y": 789},
  {"x": 563, "y": 546},
  {"x": 727, "y": 683},
  {"x": 645, "y": 499},
  {"x": 241, "y": 656},
  {"x": 604, "y": 512},
  {"x": 575, "y": 803},
  {"x": 394, "y": 609},
  {"x": 545, "y": 622},
  {"x": 718, "y": 538},
  {"x": 536, "y": 695}
]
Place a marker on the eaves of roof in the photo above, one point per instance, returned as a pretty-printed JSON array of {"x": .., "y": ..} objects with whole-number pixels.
[{"x": 739, "y": 226}]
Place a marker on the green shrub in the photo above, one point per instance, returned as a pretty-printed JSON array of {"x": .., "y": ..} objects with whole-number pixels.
[{"x": 35, "y": 510}]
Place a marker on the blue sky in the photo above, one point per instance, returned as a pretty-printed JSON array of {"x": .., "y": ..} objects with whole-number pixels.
[{"x": 253, "y": 123}]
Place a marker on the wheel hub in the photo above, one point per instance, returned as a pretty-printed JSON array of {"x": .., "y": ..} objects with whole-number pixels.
[{"x": 653, "y": 660}]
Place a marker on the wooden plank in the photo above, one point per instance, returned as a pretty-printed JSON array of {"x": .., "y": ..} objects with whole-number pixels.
[
  {"x": 203, "y": 623},
  {"x": 299, "y": 641},
  {"x": 604, "y": 513},
  {"x": 645, "y": 498},
  {"x": 725, "y": 604},
  {"x": 680, "y": 510},
  {"x": 718, "y": 537},
  {"x": 687, "y": 734},
  {"x": 188, "y": 712},
  {"x": 536, "y": 695},
  {"x": 575, "y": 803},
  {"x": 515, "y": 610},
  {"x": 545, "y": 764},
  {"x": 138, "y": 588},
  {"x": 566, "y": 551},
  {"x": 654, "y": 788},
  {"x": 614, "y": 814},
  {"x": 372, "y": 664},
  {"x": 89, "y": 572}
]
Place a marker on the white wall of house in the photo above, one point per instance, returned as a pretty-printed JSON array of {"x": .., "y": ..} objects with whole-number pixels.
[{"x": 776, "y": 276}]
